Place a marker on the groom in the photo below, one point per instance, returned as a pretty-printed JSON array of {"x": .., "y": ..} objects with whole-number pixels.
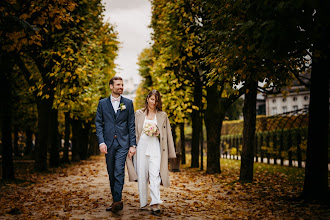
[{"x": 115, "y": 130}]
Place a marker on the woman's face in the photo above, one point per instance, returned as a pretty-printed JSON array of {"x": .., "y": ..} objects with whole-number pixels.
[{"x": 152, "y": 103}]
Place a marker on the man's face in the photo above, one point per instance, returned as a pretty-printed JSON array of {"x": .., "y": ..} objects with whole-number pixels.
[{"x": 117, "y": 87}]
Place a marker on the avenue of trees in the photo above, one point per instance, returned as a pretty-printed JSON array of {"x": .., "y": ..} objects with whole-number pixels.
[
  {"x": 207, "y": 54},
  {"x": 56, "y": 58}
]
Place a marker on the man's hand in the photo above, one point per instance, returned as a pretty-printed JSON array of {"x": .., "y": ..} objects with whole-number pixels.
[
  {"x": 131, "y": 152},
  {"x": 103, "y": 148}
]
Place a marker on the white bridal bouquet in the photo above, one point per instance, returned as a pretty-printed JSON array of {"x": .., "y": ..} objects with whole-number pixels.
[{"x": 151, "y": 129}]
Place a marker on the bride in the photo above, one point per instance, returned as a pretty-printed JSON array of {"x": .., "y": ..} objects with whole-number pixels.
[{"x": 154, "y": 147}]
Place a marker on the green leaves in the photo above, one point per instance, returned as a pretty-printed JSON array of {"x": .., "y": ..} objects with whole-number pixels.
[{"x": 67, "y": 51}]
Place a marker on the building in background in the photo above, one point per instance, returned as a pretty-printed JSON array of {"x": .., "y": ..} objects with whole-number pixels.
[
  {"x": 261, "y": 104},
  {"x": 130, "y": 87},
  {"x": 291, "y": 99}
]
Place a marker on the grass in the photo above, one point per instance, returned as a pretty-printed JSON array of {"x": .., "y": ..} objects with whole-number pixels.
[{"x": 293, "y": 174}]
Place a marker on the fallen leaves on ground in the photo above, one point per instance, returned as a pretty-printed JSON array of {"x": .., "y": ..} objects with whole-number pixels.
[{"x": 81, "y": 191}]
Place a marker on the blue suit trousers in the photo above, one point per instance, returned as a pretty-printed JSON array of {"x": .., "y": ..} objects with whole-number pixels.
[{"x": 115, "y": 159}]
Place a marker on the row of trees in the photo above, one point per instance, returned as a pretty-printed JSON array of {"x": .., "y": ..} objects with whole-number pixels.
[
  {"x": 206, "y": 54},
  {"x": 56, "y": 58}
]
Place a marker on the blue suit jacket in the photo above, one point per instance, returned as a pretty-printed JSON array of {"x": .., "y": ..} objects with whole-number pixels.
[{"x": 108, "y": 124}]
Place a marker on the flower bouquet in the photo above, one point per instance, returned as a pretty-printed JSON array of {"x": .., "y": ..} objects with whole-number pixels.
[{"x": 151, "y": 129}]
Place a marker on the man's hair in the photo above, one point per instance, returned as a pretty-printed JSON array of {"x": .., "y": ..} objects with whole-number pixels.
[{"x": 114, "y": 78}]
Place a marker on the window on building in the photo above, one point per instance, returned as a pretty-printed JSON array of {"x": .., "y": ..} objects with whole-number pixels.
[
  {"x": 306, "y": 106},
  {"x": 274, "y": 100},
  {"x": 295, "y": 107},
  {"x": 284, "y": 109},
  {"x": 284, "y": 99},
  {"x": 274, "y": 111},
  {"x": 306, "y": 98},
  {"x": 294, "y": 99}
]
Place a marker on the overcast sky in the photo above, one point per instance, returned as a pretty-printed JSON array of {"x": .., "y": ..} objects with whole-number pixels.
[{"x": 131, "y": 18}]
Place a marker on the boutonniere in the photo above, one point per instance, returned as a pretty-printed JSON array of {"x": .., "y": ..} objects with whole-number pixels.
[{"x": 122, "y": 106}]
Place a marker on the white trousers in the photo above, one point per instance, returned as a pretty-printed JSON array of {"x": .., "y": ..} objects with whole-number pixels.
[{"x": 148, "y": 168}]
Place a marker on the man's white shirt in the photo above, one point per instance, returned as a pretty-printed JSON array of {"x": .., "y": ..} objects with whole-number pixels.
[{"x": 115, "y": 104}]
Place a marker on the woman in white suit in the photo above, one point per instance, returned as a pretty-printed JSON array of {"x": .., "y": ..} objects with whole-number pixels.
[{"x": 154, "y": 147}]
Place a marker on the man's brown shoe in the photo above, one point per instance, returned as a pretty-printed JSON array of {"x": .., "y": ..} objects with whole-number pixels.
[
  {"x": 109, "y": 209},
  {"x": 117, "y": 206}
]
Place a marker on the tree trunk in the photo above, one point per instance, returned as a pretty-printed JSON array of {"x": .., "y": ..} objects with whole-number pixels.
[
  {"x": 66, "y": 138},
  {"x": 76, "y": 129},
  {"x": 249, "y": 126},
  {"x": 202, "y": 143},
  {"x": 54, "y": 159},
  {"x": 173, "y": 126},
  {"x": 16, "y": 151},
  {"x": 183, "y": 143},
  {"x": 28, "y": 144},
  {"x": 196, "y": 120},
  {"x": 214, "y": 116},
  {"x": 93, "y": 144},
  {"x": 84, "y": 137},
  {"x": 316, "y": 170},
  {"x": 175, "y": 162},
  {"x": 44, "y": 108},
  {"x": 6, "y": 113}
]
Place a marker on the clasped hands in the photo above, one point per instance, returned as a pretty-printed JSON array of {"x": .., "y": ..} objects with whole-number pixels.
[{"x": 131, "y": 152}]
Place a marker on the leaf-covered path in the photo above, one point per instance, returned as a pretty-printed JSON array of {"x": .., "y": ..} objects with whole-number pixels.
[{"x": 81, "y": 191}]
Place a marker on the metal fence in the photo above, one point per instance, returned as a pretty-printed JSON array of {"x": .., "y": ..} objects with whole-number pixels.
[{"x": 280, "y": 139}]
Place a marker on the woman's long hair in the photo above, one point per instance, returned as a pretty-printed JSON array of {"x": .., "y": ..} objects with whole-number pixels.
[{"x": 158, "y": 101}]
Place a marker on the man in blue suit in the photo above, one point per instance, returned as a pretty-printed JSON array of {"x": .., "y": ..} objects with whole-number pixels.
[{"x": 115, "y": 130}]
